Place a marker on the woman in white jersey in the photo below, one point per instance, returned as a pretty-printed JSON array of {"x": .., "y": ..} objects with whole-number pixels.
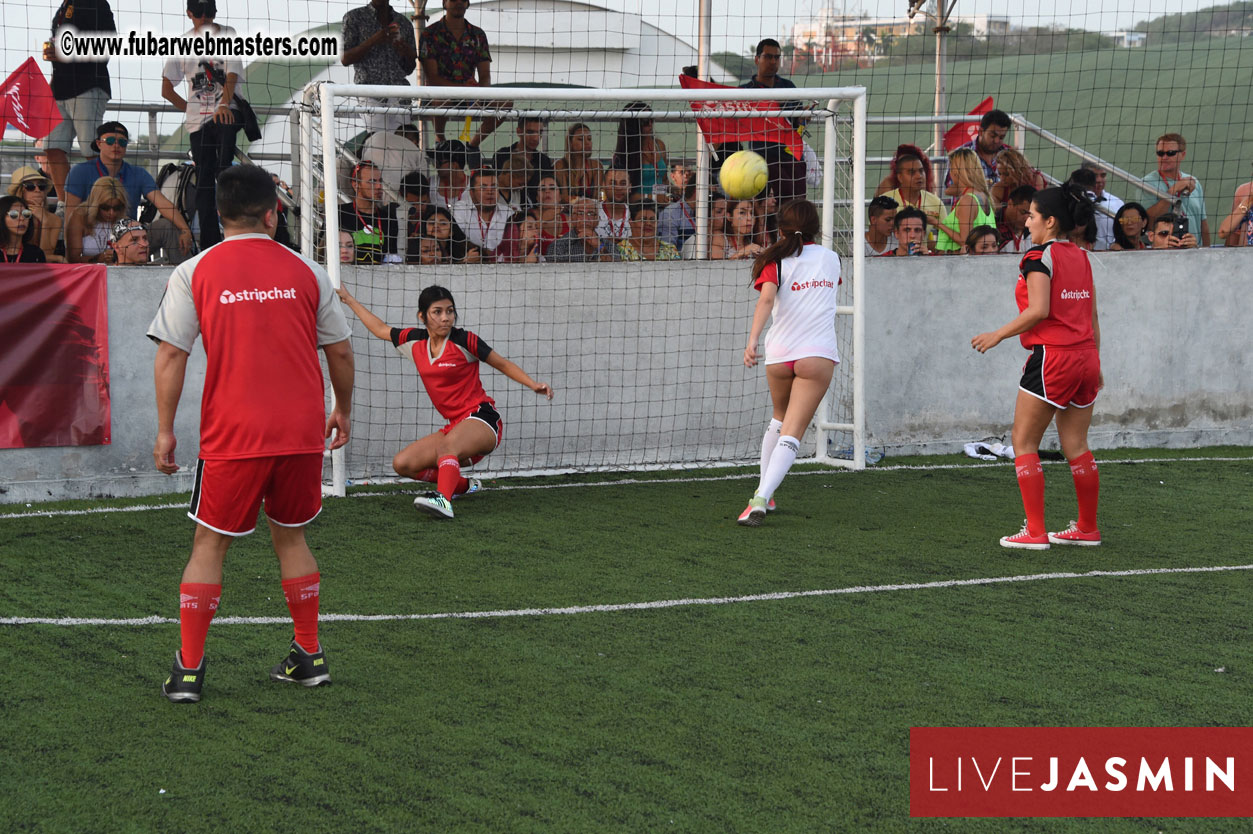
[{"x": 797, "y": 280}]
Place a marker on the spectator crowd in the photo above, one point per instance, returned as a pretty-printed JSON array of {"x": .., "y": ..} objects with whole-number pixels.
[{"x": 459, "y": 203}]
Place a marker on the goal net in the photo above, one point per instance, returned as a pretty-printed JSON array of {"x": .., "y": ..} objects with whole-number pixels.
[{"x": 611, "y": 263}]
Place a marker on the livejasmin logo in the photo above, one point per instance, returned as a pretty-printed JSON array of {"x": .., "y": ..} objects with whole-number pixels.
[
  {"x": 1080, "y": 772},
  {"x": 259, "y": 295}
]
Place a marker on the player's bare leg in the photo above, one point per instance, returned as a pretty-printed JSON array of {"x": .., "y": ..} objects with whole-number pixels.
[
  {"x": 796, "y": 391},
  {"x": 446, "y": 452},
  {"x": 1032, "y": 416}
]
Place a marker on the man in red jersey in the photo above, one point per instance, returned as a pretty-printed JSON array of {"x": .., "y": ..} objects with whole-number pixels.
[{"x": 262, "y": 312}]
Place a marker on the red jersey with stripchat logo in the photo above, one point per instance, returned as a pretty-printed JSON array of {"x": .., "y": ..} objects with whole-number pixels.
[
  {"x": 262, "y": 312},
  {"x": 1071, "y": 295},
  {"x": 451, "y": 379}
]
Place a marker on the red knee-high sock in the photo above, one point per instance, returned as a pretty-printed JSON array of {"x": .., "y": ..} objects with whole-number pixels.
[
  {"x": 1031, "y": 485},
  {"x": 198, "y": 603},
  {"x": 1087, "y": 489},
  {"x": 449, "y": 475},
  {"x": 301, "y": 594},
  {"x": 429, "y": 475}
]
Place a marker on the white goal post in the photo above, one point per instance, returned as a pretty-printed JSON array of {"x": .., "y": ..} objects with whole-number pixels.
[{"x": 839, "y": 426}]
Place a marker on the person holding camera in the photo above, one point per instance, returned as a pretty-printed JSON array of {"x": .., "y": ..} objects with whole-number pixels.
[
  {"x": 1187, "y": 196},
  {"x": 1170, "y": 231},
  {"x": 381, "y": 48}
]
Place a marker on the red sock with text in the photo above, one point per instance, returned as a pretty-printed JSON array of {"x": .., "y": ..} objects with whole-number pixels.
[
  {"x": 198, "y": 602},
  {"x": 430, "y": 476},
  {"x": 449, "y": 475},
  {"x": 1087, "y": 489},
  {"x": 301, "y": 594},
  {"x": 1031, "y": 485}
]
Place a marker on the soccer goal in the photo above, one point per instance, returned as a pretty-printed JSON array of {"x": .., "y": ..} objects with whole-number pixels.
[{"x": 642, "y": 343}]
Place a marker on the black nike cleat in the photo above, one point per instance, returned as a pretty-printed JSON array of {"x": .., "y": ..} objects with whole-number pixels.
[
  {"x": 183, "y": 685},
  {"x": 301, "y": 667}
]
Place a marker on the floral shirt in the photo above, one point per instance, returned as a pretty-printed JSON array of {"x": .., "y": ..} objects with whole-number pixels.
[
  {"x": 665, "y": 251},
  {"x": 382, "y": 64},
  {"x": 457, "y": 59}
]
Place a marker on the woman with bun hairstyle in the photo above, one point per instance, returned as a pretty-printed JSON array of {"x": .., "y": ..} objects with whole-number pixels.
[{"x": 1057, "y": 322}]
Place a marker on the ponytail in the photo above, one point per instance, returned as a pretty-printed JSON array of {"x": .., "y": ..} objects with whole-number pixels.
[
  {"x": 798, "y": 225},
  {"x": 1068, "y": 203}
]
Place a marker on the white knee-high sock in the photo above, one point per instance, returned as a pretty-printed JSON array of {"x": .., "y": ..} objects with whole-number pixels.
[
  {"x": 769, "y": 441},
  {"x": 781, "y": 461}
]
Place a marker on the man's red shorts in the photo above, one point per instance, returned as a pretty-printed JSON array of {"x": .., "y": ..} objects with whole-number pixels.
[
  {"x": 228, "y": 493},
  {"x": 1062, "y": 376}
]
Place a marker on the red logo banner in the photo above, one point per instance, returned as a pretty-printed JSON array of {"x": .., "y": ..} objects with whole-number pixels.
[
  {"x": 720, "y": 130},
  {"x": 26, "y": 101},
  {"x": 1081, "y": 771},
  {"x": 964, "y": 132},
  {"x": 54, "y": 355}
]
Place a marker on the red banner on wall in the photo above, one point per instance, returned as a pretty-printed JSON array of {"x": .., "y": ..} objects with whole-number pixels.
[
  {"x": 718, "y": 131},
  {"x": 964, "y": 132},
  {"x": 54, "y": 355},
  {"x": 1081, "y": 771}
]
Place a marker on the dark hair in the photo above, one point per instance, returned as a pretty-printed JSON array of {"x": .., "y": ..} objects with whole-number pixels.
[
  {"x": 881, "y": 204},
  {"x": 526, "y": 120},
  {"x": 478, "y": 174},
  {"x": 1169, "y": 217},
  {"x": 978, "y": 233},
  {"x": 643, "y": 204},
  {"x": 415, "y": 182},
  {"x": 1120, "y": 237},
  {"x": 6, "y": 204},
  {"x": 245, "y": 193},
  {"x": 907, "y": 213},
  {"x": 202, "y": 8},
  {"x": 1067, "y": 203},
  {"x": 429, "y": 296},
  {"x": 1021, "y": 194},
  {"x": 1083, "y": 176},
  {"x": 108, "y": 127},
  {"x": 628, "y": 151},
  {"x": 457, "y": 243},
  {"x": 995, "y": 117},
  {"x": 764, "y": 42},
  {"x": 905, "y": 152},
  {"x": 798, "y": 224}
]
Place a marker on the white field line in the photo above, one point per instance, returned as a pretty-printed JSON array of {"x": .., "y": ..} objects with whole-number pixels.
[
  {"x": 139, "y": 508},
  {"x": 627, "y": 606}
]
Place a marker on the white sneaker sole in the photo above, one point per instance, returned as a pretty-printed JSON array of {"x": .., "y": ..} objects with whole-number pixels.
[
  {"x": 1005, "y": 542},
  {"x": 1058, "y": 540},
  {"x": 433, "y": 510}
]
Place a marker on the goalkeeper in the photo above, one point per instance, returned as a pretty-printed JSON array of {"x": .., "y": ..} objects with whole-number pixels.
[{"x": 447, "y": 358}]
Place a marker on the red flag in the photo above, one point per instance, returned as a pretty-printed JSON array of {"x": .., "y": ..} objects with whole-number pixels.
[
  {"x": 765, "y": 129},
  {"x": 963, "y": 132},
  {"x": 26, "y": 101},
  {"x": 54, "y": 355}
]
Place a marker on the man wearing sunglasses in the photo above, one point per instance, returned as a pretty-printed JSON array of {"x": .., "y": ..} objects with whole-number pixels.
[
  {"x": 112, "y": 139},
  {"x": 1172, "y": 149}
]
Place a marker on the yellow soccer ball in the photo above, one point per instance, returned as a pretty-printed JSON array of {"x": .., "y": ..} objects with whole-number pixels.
[{"x": 743, "y": 175}]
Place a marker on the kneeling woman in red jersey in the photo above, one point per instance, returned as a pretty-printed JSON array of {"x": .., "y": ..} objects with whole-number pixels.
[
  {"x": 447, "y": 359},
  {"x": 797, "y": 280},
  {"x": 1058, "y": 323}
]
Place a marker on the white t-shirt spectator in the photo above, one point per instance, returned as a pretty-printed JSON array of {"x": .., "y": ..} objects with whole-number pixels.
[
  {"x": 1104, "y": 224},
  {"x": 485, "y": 234},
  {"x": 206, "y": 76}
]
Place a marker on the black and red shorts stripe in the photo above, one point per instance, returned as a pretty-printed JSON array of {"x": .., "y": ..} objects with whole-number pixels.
[{"x": 1062, "y": 376}]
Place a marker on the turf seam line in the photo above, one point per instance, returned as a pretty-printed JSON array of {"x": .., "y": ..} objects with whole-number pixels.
[
  {"x": 136, "y": 508},
  {"x": 633, "y": 606}
]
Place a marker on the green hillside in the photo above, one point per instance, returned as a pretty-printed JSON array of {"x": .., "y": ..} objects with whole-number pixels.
[{"x": 1114, "y": 102}]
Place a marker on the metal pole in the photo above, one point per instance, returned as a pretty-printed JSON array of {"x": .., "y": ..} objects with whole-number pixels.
[
  {"x": 859, "y": 288},
  {"x": 339, "y": 475},
  {"x": 704, "y": 158}
]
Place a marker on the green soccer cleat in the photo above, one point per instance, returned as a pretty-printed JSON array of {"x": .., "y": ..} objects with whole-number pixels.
[
  {"x": 301, "y": 667},
  {"x": 753, "y": 513},
  {"x": 183, "y": 685},
  {"x": 434, "y": 505}
]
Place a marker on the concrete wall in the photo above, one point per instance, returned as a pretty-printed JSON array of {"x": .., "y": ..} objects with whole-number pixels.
[{"x": 1175, "y": 357}]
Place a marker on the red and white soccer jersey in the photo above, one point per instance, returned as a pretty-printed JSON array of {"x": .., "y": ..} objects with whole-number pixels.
[
  {"x": 1069, "y": 322},
  {"x": 804, "y": 309},
  {"x": 452, "y": 378},
  {"x": 262, "y": 312}
]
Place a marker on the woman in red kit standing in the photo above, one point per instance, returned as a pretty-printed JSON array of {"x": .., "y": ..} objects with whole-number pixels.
[{"x": 1057, "y": 322}]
